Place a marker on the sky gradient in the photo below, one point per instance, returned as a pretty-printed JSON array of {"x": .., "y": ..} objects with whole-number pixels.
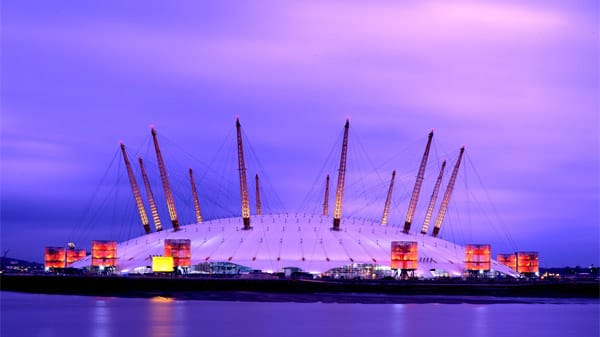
[{"x": 516, "y": 81}]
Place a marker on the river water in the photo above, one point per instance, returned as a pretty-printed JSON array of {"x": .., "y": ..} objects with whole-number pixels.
[{"x": 80, "y": 316}]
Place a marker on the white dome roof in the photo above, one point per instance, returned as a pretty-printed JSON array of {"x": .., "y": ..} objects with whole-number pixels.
[{"x": 295, "y": 240}]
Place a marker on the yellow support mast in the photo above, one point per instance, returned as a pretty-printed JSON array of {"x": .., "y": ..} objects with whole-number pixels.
[
  {"x": 388, "y": 201},
  {"x": 150, "y": 196},
  {"x": 165, "y": 182},
  {"x": 339, "y": 193},
  {"x": 136, "y": 192},
  {"x": 195, "y": 196},
  {"x": 258, "y": 202},
  {"x": 243, "y": 181},
  {"x": 446, "y": 200},
  {"x": 434, "y": 195},
  {"x": 412, "y": 207},
  {"x": 326, "y": 198}
]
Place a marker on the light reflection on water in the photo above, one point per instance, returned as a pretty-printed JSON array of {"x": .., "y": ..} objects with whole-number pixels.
[
  {"x": 101, "y": 319},
  {"x": 55, "y": 315},
  {"x": 480, "y": 324},
  {"x": 161, "y": 315}
]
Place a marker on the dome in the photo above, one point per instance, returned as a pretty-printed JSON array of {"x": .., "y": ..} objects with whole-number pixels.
[{"x": 304, "y": 241}]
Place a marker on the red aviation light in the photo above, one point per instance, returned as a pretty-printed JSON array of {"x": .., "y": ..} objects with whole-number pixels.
[
  {"x": 180, "y": 250},
  {"x": 478, "y": 257},
  {"x": 54, "y": 257},
  {"x": 104, "y": 253},
  {"x": 404, "y": 255}
]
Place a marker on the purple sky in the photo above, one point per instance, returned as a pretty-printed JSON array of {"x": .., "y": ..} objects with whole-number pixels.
[{"x": 516, "y": 81}]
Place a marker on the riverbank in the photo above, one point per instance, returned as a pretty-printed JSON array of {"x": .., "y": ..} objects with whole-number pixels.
[{"x": 285, "y": 290}]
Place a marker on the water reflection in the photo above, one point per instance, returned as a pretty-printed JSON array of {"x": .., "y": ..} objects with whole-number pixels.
[
  {"x": 56, "y": 315},
  {"x": 397, "y": 323},
  {"x": 101, "y": 319},
  {"x": 480, "y": 317},
  {"x": 180, "y": 322},
  {"x": 161, "y": 316}
]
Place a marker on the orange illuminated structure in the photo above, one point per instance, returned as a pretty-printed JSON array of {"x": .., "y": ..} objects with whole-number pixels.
[
  {"x": 326, "y": 197},
  {"x": 55, "y": 257},
  {"x": 388, "y": 201},
  {"x": 74, "y": 255},
  {"x": 412, "y": 207},
  {"x": 509, "y": 260},
  {"x": 104, "y": 253},
  {"x": 447, "y": 194},
  {"x": 150, "y": 196},
  {"x": 528, "y": 262},
  {"x": 339, "y": 193},
  {"x": 258, "y": 203},
  {"x": 243, "y": 181},
  {"x": 434, "y": 195},
  {"x": 405, "y": 255},
  {"x": 478, "y": 257},
  {"x": 196, "y": 200},
  {"x": 136, "y": 192},
  {"x": 165, "y": 182},
  {"x": 180, "y": 250}
]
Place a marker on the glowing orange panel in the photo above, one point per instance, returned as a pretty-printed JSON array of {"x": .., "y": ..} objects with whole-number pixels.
[
  {"x": 104, "y": 253},
  {"x": 478, "y": 257},
  {"x": 404, "y": 255},
  {"x": 509, "y": 260},
  {"x": 55, "y": 257},
  {"x": 180, "y": 250},
  {"x": 528, "y": 262},
  {"x": 74, "y": 255}
]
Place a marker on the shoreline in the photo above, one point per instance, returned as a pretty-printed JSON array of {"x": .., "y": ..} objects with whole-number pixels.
[{"x": 305, "y": 291}]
